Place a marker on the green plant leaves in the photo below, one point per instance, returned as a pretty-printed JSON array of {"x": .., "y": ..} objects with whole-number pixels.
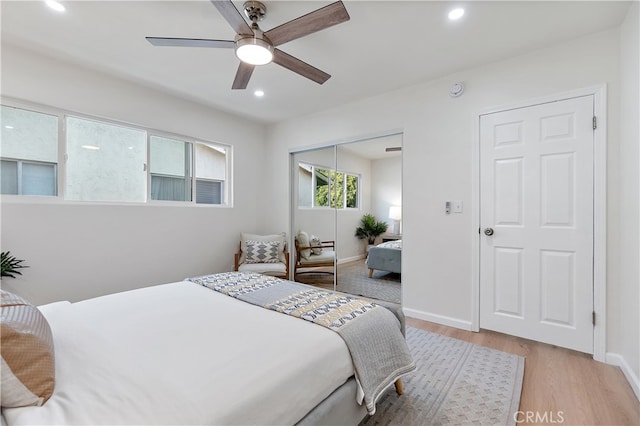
[{"x": 10, "y": 265}]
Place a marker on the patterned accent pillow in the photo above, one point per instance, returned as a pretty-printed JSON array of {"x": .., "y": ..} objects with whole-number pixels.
[
  {"x": 263, "y": 252},
  {"x": 315, "y": 242},
  {"x": 28, "y": 365},
  {"x": 244, "y": 237}
]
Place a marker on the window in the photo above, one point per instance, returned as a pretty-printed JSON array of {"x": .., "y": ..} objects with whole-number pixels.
[
  {"x": 170, "y": 169},
  {"x": 321, "y": 187},
  {"x": 28, "y": 178},
  {"x": 211, "y": 166},
  {"x": 29, "y": 152},
  {"x": 105, "y": 162},
  {"x": 352, "y": 192}
]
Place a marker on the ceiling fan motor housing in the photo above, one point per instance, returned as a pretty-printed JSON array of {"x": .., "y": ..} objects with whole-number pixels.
[{"x": 255, "y": 10}]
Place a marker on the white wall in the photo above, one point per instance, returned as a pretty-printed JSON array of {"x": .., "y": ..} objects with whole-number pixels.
[
  {"x": 78, "y": 250},
  {"x": 387, "y": 181},
  {"x": 624, "y": 306},
  {"x": 437, "y": 146},
  {"x": 347, "y": 220}
]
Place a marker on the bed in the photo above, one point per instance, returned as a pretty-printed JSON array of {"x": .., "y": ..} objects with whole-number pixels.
[
  {"x": 386, "y": 256},
  {"x": 188, "y": 353}
]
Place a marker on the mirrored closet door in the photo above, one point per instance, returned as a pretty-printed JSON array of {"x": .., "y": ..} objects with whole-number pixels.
[
  {"x": 313, "y": 225},
  {"x": 334, "y": 187}
]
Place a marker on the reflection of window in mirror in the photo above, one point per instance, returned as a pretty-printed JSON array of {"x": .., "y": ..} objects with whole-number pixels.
[{"x": 319, "y": 186}]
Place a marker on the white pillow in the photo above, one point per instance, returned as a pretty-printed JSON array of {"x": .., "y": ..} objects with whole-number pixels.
[
  {"x": 263, "y": 251},
  {"x": 244, "y": 237},
  {"x": 303, "y": 241},
  {"x": 316, "y": 244}
]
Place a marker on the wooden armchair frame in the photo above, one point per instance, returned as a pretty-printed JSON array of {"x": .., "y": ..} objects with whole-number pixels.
[
  {"x": 286, "y": 256},
  {"x": 299, "y": 264}
]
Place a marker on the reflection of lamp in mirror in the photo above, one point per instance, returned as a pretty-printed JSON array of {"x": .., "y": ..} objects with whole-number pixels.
[{"x": 395, "y": 214}]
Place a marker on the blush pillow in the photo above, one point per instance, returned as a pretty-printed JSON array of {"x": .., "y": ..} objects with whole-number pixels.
[{"x": 28, "y": 367}]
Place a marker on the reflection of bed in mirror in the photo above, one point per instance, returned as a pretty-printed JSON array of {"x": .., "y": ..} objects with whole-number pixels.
[{"x": 386, "y": 256}]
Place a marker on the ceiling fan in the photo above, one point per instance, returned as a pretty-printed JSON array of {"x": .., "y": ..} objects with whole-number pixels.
[{"x": 254, "y": 47}]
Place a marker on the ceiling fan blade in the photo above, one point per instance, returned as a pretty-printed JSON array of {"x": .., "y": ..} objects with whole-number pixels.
[
  {"x": 242, "y": 75},
  {"x": 325, "y": 17},
  {"x": 299, "y": 67},
  {"x": 232, "y": 16},
  {"x": 190, "y": 42}
]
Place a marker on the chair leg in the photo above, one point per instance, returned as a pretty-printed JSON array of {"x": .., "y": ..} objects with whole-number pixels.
[{"x": 399, "y": 387}]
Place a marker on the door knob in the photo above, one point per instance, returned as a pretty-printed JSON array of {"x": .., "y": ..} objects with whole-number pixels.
[{"x": 488, "y": 232}]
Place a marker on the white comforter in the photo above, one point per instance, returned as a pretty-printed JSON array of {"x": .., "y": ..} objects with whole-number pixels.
[{"x": 182, "y": 354}]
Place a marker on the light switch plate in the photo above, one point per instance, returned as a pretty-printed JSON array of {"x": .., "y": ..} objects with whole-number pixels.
[{"x": 457, "y": 206}]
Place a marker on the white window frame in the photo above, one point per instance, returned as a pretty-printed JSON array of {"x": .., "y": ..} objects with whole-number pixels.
[
  {"x": 61, "y": 169},
  {"x": 330, "y": 184}
]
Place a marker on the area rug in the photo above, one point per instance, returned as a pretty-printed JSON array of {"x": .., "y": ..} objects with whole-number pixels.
[
  {"x": 353, "y": 278},
  {"x": 455, "y": 383}
]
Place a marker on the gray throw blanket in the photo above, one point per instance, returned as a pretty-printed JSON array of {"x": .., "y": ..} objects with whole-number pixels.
[{"x": 371, "y": 332}]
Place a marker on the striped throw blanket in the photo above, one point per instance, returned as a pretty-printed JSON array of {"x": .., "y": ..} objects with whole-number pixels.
[{"x": 371, "y": 332}]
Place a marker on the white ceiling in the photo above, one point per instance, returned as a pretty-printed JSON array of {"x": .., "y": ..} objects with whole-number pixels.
[{"x": 385, "y": 46}]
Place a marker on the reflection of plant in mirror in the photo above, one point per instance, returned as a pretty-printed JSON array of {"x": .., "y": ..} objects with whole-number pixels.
[
  {"x": 10, "y": 265},
  {"x": 370, "y": 228}
]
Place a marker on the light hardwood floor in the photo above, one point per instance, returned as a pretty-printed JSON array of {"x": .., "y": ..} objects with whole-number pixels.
[{"x": 560, "y": 386}]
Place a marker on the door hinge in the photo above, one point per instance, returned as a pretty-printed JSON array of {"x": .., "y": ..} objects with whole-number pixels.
[
  {"x": 593, "y": 317},
  {"x": 595, "y": 123}
]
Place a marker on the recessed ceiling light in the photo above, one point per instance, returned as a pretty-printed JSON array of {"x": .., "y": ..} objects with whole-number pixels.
[
  {"x": 456, "y": 13},
  {"x": 8, "y": 127},
  {"x": 91, "y": 147},
  {"x": 58, "y": 7},
  {"x": 259, "y": 93}
]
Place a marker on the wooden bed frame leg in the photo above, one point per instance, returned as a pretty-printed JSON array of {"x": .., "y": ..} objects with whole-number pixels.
[
  {"x": 399, "y": 387},
  {"x": 370, "y": 273}
]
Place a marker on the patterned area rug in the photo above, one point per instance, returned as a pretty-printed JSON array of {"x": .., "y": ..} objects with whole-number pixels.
[
  {"x": 353, "y": 278},
  {"x": 456, "y": 383}
]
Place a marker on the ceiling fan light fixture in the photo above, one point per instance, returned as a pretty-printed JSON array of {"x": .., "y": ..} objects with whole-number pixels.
[{"x": 254, "y": 51}]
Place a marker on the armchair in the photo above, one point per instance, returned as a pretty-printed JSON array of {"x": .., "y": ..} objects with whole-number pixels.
[
  {"x": 312, "y": 254},
  {"x": 264, "y": 254}
]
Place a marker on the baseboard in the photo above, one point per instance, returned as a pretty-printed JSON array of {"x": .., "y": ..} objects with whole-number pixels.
[
  {"x": 350, "y": 259},
  {"x": 438, "y": 319},
  {"x": 619, "y": 361}
]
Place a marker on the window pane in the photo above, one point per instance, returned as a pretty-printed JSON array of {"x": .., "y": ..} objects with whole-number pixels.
[
  {"x": 9, "y": 177},
  {"x": 28, "y": 135},
  {"x": 208, "y": 192},
  {"x": 211, "y": 174},
  {"x": 337, "y": 196},
  {"x": 211, "y": 162},
  {"x": 352, "y": 191},
  {"x": 38, "y": 179},
  {"x": 321, "y": 187},
  {"x": 106, "y": 162},
  {"x": 305, "y": 187},
  {"x": 170, "y": 188},
  {"x": 170, "y": 169}
]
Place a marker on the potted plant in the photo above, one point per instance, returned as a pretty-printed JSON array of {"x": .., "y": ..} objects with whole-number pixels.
[
  {"x": 370, "y": 228},
  {"x": 10, "y": 265}
]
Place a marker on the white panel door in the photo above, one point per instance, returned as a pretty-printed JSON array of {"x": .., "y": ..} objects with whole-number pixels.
[{"x": 536, "y": 218}]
